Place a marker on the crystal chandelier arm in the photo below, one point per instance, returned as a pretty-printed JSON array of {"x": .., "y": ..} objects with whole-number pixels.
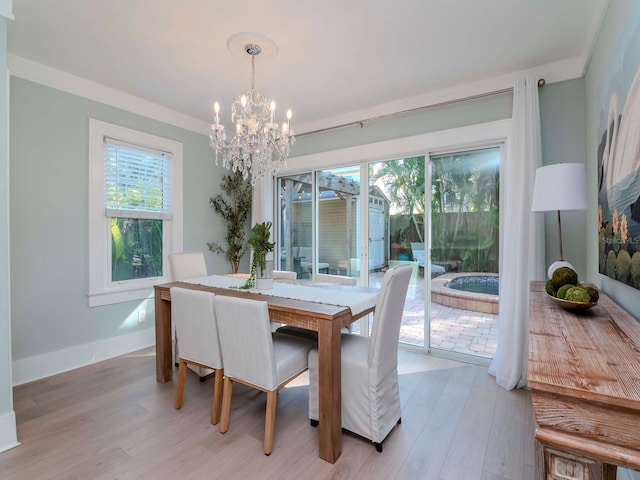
[{"x": 259, "y": 146}]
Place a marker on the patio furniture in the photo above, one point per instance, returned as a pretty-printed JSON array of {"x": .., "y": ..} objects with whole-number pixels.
[
  {"x": 306, "y": 266},
  {"x": 193, "y": 313},
  {"x": 417, "y": 249},
  {"x": 370, "y": 392},
  {"x": 256, "y": 357}
]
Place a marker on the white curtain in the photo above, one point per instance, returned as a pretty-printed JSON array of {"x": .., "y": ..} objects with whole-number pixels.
[
  {"x": 262, "y": 205},
  {"x": 262, "y": 201},
  {"x": 521, "y": 239}
]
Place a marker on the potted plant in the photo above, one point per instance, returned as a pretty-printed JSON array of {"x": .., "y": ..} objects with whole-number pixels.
[
  {"x": 261, "y": 265},
  {"x": 235, "y": 211}
]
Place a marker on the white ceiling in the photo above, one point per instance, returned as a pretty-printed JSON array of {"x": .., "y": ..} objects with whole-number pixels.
[{"x": 337, "y": 60}]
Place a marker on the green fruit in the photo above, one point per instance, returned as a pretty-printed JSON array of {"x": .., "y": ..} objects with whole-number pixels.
[
  {"x": 549, "y": 288},
  {"x": 563, "y": 276},
  {"x": 593, "y": 292},
  {"x": 577, "y": 294},
  {"x": 562, "y": 291}
]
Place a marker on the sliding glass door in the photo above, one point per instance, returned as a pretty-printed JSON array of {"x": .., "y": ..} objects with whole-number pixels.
[
  {"x": 396, "y": 234},
  {"x": 338, "y": 198},
  {"x": 464, "y": 227},
  {"x": 295, "y": 224},
  {"x": 437, "y": 213}
]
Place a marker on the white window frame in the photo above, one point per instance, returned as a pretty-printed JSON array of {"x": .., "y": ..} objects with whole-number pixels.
[
  {"x": 426, "y": 144},
  {"x": 102, "y": 291}
]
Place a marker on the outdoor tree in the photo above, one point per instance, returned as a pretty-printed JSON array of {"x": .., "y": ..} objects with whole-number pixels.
[
  {"x": 234, "y": 208},
  {"x": 465, "y": 208},
  {"x": 404, "y": 182}
]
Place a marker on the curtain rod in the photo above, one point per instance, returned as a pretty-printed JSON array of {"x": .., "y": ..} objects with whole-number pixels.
[{"x": 541, "y": 83}]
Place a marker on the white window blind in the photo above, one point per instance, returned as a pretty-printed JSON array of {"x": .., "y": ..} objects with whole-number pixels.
[{"x": 137, "y": 181}]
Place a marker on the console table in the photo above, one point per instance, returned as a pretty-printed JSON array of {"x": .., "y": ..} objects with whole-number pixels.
[{"x": 584, "y": 375}]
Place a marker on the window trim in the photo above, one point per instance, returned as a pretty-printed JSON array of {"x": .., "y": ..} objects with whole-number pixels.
[{"x": 101, "y": 290}]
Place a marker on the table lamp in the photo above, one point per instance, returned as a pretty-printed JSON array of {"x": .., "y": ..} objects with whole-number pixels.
[{"x": 562, "y": 186}]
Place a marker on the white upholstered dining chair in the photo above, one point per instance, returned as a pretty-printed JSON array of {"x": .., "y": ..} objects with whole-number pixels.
[
  {"x": 184, "y": 266},
  {"x": 337, "y": 279},
  {"x": 284, "y": 275},
  {"x": 370, "y": 392},
  {"x": 193, "y": 314},
  {"x": 256, "y": 357}
]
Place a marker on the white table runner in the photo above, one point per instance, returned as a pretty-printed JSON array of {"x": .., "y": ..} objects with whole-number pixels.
[{"x": 358, "y": 299}]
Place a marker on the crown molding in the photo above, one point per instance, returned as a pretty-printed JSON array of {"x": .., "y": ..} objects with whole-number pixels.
[
  {"x": 551, "y": 72},
  {"x": 29, "y": 70},
  {"x": 593, "y": 33},
  {"x": 35, "y": 72}
]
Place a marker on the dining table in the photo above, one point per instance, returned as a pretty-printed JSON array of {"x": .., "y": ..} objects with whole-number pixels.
[{"x": 323, "y": 308}]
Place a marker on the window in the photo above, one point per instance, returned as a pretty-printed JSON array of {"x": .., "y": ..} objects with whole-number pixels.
[
  {"x": 408, "y": 205},
  {"x": 135, "y": 211}
]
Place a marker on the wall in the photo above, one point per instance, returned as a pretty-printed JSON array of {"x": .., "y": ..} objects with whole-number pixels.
[
  {"x": 618, "y": 45},
  {"x": 615, "y": 46},
  {"x": 8, "y": 437},
  {"x": 563, "y": 137},
  {"x": 429, "y": 120},
  {"x": 562, "y": 114},
  {"x": 51, "y": 321}
]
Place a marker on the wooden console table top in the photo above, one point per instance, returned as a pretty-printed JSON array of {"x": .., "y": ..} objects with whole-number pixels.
[{"x": 584, "y": 375}]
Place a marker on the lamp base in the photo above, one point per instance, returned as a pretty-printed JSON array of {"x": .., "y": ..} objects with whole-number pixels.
[{"x": 556, "y": 265}]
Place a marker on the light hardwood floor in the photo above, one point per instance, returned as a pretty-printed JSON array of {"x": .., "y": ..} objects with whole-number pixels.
[{"x": 112, "y": 420}]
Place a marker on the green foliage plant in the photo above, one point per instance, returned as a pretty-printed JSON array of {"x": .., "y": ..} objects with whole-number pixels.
[
  {"x": 234, "y": 208},
  {"x": 259, "y": 241}
]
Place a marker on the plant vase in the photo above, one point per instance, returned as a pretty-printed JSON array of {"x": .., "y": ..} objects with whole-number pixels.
[{"x": 264, "y": 280}]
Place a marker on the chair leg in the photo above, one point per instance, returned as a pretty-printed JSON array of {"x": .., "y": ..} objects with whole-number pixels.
[
  {"x": 226, "y": 405},
  {"x": 270, "y": 421},
  {"x": 378, "y": 447},
  {"x": 217, "y": 396},
  {"x": 314, "y": 423},
  {"x": 399, "y": 420},
  {"x": 182, "y": 375}
]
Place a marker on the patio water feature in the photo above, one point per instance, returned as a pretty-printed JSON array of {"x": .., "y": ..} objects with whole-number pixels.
[{"x": 468, "y": 299}]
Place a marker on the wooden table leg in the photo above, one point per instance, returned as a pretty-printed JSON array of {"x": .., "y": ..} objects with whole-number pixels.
[
  {"x": 164, "y": 364},
  {"x": 329, "y": 390}
]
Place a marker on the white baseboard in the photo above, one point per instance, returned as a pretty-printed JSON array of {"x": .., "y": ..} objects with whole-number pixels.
[
  {"x": 41, "y": 366},
  {"x": 8, "y": 436}
]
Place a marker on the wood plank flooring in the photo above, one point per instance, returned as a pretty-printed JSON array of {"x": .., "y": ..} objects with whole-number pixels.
[{"x": 112, "y": 420}]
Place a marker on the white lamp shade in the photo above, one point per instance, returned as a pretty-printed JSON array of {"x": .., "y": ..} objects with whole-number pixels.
[{"x": 562, "y": 186}]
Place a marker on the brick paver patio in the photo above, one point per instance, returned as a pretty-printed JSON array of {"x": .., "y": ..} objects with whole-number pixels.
[{"x": 461, "y": 331}]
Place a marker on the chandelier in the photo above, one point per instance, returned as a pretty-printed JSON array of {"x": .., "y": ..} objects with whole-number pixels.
[{"x": 259, "y": 145}]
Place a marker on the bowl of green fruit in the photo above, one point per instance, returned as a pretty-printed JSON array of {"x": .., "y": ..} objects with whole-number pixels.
[{"x": 564, "y": 289}]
